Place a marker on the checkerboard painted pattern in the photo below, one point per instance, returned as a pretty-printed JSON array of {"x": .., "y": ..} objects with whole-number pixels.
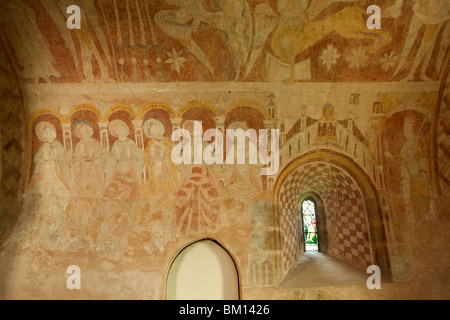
[
  {"x": 346, "y": 218},
  {"x": 443, "y": 138},
  {"x": 13, "y": 131}
]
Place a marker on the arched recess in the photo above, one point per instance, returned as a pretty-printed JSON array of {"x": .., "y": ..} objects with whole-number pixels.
[
  {"x": 203, "y": 270},
  {"x": 353, "y": 222}
]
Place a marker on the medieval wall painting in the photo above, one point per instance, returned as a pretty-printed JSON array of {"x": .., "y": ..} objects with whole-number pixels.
[
  {"x": 408, "y": 162},
  {"x": 238, "y": 40},
  {"x": 362, "y": 116},
  {"x": 117, "y": 192}
]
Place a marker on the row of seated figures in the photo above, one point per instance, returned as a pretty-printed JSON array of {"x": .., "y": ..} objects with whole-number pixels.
[
  {"x": 103, "y": 191},
  {"x": 100, "y": 158}
]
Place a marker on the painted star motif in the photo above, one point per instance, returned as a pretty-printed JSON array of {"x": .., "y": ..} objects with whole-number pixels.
[{"x": 176, "y": 59}]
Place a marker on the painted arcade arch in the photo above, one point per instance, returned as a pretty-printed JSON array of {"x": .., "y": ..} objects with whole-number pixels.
[
  {"x": 249, "y": 104},
  {"x": 86, "y": 107},
  {"x": 353, "y": 222},
  {"x": 118, "y": 108},
  {"x": 156, "y": 105},
  {"x": 125, "y": 116},
  {"x": 254, "y": 118},
  {"x": 203, "y": 270},
  {"x": 197, "y": 105}
]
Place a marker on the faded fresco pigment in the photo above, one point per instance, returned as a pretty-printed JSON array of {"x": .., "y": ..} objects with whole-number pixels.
[{"x": 340, "y": 107}]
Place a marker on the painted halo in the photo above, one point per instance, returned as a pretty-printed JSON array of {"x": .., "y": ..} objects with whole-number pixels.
[
  {"x": 80, "y": 124},
  {"x": 41, "y": 127},
  {"x": 151, "y": 125},
  {"x": 115, "y": 125}
]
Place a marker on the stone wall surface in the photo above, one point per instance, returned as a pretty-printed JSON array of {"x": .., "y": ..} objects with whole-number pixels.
[{"x": 87, "y": 176}]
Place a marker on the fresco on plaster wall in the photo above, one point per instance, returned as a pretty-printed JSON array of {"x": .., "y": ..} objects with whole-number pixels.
[
  {"x": 228, "y": 40},
  {"x": 197, "y": 206},
  {"x": 113, "y": 189},
  {"x": 161, "y": 175},
  {"x": 407, "y": 157},
  {"x": 51, "y": 173},
  {"x": 100, "y": 195},
  {"x": 160, "y": 183},
  {"x": 124, "y": 165},
  {"x": 12, "y": 132},
  {"x": 243, "y": 182},
  {"x": 88, "y": 163},
  {"x": 49, "y": 187},
  {"x": 28, "y": 42},
  {"x": 123, "y": 196},
  {"x": 130, "y": 174},
  {"x": 441, "y": 143}
]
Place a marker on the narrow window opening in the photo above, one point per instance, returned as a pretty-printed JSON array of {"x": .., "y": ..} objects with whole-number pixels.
[{"x": 310, "y": 226}]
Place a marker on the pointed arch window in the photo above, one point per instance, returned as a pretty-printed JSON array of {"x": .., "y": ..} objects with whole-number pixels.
[{"x": 310, "y": 225}]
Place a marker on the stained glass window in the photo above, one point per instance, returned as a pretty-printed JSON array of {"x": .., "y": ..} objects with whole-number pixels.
[{"x": 310, "y": 225}]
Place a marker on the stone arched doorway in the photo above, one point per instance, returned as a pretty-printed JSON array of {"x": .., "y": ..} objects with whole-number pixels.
[{"x": 203, "y": 270}]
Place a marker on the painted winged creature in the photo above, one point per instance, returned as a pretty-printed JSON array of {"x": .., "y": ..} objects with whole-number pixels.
[
  {"x": 298, "y": 28},
  {"x": 294, "y": 27}
]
